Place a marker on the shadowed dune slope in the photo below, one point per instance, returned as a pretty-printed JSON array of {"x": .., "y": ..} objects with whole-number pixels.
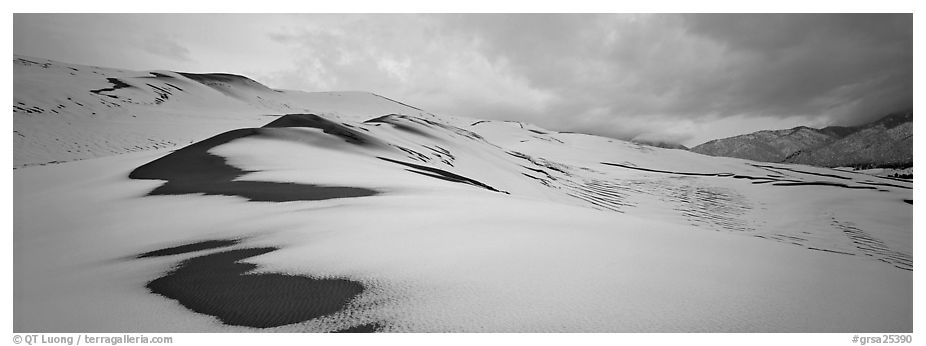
[
  {"x": 194, "y": 170},
  {"x": 219, "y": 285}
]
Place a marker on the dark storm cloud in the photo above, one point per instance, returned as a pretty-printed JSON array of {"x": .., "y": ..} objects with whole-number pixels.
[
  {"x": 836, "y": 68},
  {"x": 851, "y": 67}
]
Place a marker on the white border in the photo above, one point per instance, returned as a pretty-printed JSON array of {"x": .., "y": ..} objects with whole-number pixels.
[{"x": 274, "y": 6}]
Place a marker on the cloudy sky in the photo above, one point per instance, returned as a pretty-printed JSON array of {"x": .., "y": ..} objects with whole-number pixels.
[{"x": 677, "y": 78}]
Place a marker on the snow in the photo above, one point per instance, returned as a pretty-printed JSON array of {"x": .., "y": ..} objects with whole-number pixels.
[{"x": 583, "y": 246}]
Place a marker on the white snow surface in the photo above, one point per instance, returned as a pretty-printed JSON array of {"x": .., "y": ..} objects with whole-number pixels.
[{"x": 567, "y": 243}]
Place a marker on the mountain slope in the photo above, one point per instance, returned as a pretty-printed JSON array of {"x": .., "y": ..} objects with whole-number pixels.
[
  {"x": 884, "y": 142},
  {"x": 767, "y": 146},
  {"x": 414, "y": 222}
]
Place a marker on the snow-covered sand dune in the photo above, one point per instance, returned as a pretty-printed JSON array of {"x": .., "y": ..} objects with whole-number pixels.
[
  {"x": 385, "y": 217},
  {"x": 64, "y": 112}
]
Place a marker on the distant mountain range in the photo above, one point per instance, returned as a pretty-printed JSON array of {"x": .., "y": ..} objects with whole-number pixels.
[{"x": 886, "y": 142}]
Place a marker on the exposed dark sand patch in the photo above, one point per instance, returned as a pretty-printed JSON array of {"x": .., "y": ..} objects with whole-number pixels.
[
  {"x": 824, "y": 183},
  {"x": 546, "y": 137},
  {"x": 262, "y": 191},
  {"x": 833, "y": 251},
  {"x": 669, "y": 172},
  {"x": 364, "y": 328},
  {"x": 163, "y": 94},
  {"x": 762, "y": 180},
  {"x": 898, "y": 179},
  {"x": 551, "y": 177},
  {"x": 799, "y": 239},
  {"x": 540, "y": 180},
  {"x": 117, "y": 84},
  {"x": 908, "y": 201},
  {"x": 355, "y": 127},
  {"x": 873, "y": 247},
  {"x": 412, "y": 154},
  {"x": 739, "y": 176},
  {"x": 218, "y": 285},
  {"x": 757, "y": 182},
  {"x": 159, "y": 76},
  {"x": 396, "y": 123},
  {"x": 30, "y": 62},
  {"x": 442, "y": 174},
  {"x": 805, "y": 172},
  {"x": 721, "y": 175},
  {"x": 406, "y": 105},
  {"x": 885, "y": 184},
  {"x": 192, "y": 247},
  {"x": 210, "y": 79},
  {"x": 774, "y": 172},
  {"x": 173, "y": 86},
  {"x": 192, "y": 170},
  {"x": 327, "y": 126},
  {"x": 539, "y": 162},
  {"x": 442, "y": 154},
  {"x": 453, "y": 129}
]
